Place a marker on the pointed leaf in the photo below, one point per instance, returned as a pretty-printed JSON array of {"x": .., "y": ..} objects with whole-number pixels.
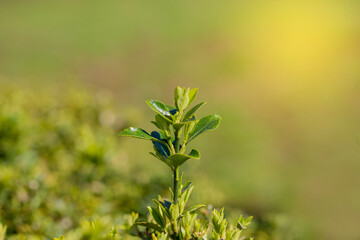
[
  {"x": 192, "y": 95},
  {"x": 181, "y": 98},
  {"x": 184, "y": 197},
  {"x": 192, "y": 111},
  {"x": 179, "y": 91},
  {"x": 178, "y": 159},
  {"x": 160, "y": 108},
  {"x": 195, "y": 207},
  {"x": 157, "y": 215},
  {"x": 205, "y": 124},
  {"x": 162, "y": 205},
  {"x": 186, "y": 186},
  {"x": 137, "y": 133},
  {"x": 243, "y": 223}
]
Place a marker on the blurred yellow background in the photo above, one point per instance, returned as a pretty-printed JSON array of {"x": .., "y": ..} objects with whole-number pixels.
[{"x": 284, "y": 75}]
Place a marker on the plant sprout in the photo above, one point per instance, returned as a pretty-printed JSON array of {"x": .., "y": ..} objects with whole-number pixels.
[{"x": 177, "y": 127}]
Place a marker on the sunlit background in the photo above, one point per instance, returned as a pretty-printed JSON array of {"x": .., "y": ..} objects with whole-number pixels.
[{"x": 284, "y": 75}]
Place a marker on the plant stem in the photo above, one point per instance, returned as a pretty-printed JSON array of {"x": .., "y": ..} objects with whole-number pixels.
[
  {"x": 177, "y": 141},
  {"x": 176, "y": 185},
  {"x": 176, "y": 169}
]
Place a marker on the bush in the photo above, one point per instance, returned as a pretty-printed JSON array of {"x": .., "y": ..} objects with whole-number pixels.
[{"x": 61, "y": 162}]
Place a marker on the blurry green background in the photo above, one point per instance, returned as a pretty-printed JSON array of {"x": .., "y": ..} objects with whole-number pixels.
[{"x": 284, "y": 75}]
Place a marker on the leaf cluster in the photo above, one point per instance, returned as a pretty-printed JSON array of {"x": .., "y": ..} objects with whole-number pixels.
[
  {"x": 170, "y": 219},
  {"x": 177, "y": 127},
  {"x": 176, "y": 222}
]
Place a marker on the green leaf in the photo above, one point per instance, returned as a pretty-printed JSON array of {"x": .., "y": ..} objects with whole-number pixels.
[
  {"x": 164, "y": 206},
  {"x": 181, "y": 98},
  {"x": 178, "y": 158},
  {"x": 150, "y": 225},
  {"x": 243, "y": 223},
  {"x": 192, "y": 111},
  {"x": 177, "y": 94},
  {"x": 189, "y": 127},
  {"x": 137, "y": 133},
  {"x": 157, "y": 215},
  {"x": 174, "y": 211},
  {"x": 186, "y": 186},
  {"x": 161, "y": 146},
  {"x": 205, "y": 124},
  {"x": 184, "y": 197},
  {"x": 161, "y": 123},
  {"x": 195, "y": 207},
  {"x": 192, "y": 95},
  {"x": 160, "y": 108}
]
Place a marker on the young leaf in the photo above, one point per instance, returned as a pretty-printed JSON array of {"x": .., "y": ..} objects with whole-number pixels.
[
  {"x": 137, "y": 133},
  {"x": 174, "y": 211},
  {"x": 181, "y": 98},
  {"x": 243, "y": 223},
  {"x": 205, "y": 124},
  {"x": 186, "y": 186},
  {"x": 157, "y": 215},
  {"x": 195, "y": 207},
  {"x": 160, "y": 108},
  {"x": 192, "y": 95},
  {"x": 165, "y": 208},
  {"x": 178, "y": 158},
  {"x": 192, "y": 111},
  {"x": 184, "y": 198}
]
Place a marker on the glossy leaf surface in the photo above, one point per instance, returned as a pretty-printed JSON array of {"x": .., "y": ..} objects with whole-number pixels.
[
  {"x": 205, "y": 124},
  {"x": 160, "y": 108},
  {"x": 136, "y": 133}
]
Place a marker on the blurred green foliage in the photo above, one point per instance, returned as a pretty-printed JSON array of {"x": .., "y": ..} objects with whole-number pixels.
[{"x": 61, "y": 161}]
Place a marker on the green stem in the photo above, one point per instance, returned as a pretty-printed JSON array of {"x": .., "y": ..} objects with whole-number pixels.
[
  {"x": 177, "y": 142},
  {"x": 176, "y": 185},
  {"x": 176, "y": 169}
]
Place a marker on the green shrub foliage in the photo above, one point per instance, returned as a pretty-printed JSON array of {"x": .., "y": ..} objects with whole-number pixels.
[{"x": 60, "y": 163}]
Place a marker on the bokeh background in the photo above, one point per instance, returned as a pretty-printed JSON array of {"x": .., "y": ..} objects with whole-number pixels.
[{"x": 284, "y": 75}]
